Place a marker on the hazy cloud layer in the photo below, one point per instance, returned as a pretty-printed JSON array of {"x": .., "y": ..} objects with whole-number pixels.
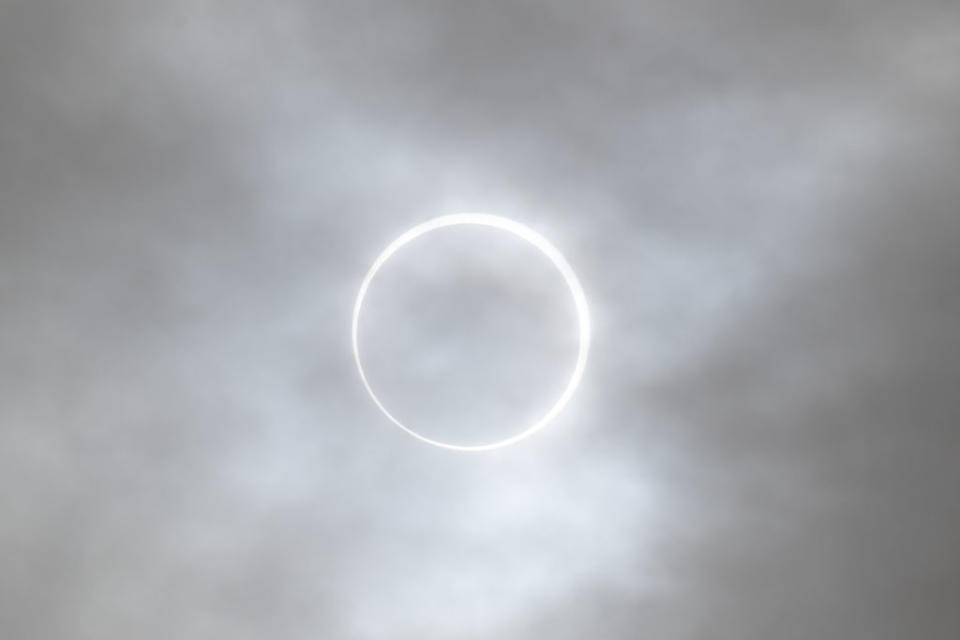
[{"x": 761, "y": 200}]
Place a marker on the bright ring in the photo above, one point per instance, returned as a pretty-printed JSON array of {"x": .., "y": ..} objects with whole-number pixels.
[{"x": 538, "y": 241}]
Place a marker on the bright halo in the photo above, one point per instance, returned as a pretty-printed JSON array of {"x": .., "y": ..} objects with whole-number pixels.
[{"x": 548, "y": 250}]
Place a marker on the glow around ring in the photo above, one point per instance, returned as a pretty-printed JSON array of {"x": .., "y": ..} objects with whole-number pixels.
[{"x": 538, "y": 241}]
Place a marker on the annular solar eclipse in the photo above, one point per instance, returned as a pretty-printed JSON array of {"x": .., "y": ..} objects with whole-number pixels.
[{"x": 550, "y": 252}]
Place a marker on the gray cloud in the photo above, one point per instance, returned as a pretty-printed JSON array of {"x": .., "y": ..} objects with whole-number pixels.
[{"x": 760, "y": 200}]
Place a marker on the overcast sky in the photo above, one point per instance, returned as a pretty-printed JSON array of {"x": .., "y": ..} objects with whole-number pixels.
[{"x": 761, "y": 200}]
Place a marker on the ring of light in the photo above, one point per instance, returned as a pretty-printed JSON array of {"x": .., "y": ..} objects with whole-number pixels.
[{"x": 538, "y": 241}]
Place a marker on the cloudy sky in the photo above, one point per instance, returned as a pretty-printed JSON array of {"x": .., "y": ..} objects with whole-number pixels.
[{"x": 760, "y": 199}]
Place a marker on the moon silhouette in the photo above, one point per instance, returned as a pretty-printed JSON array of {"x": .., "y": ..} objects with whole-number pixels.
[{"x": 558, "y": 261}]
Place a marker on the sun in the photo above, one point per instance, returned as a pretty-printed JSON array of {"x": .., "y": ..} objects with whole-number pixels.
[{"x": 547, "y": 249}]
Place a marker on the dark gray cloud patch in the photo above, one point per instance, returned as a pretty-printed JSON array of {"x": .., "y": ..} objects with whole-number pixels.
[{"x": 760, "y": 200}]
